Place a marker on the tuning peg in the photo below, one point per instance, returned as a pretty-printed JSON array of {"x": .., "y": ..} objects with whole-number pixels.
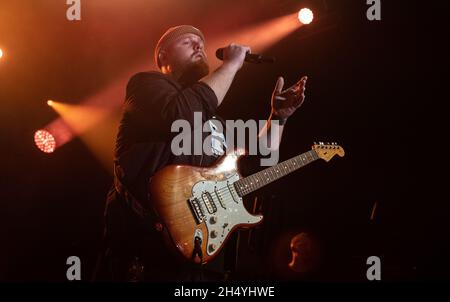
[{"x": 315, "y": 143}]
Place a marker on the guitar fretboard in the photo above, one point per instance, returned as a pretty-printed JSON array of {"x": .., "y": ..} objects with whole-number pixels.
[{"x": 258, "y": 180}]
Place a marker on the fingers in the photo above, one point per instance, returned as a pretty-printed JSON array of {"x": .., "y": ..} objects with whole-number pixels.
[
  {"x": 295, "y": 94},
  {"x": 301, "y": 83},
  {"x": 299, "y": 100},
  {"x": 294, "y": 90},
  {"x": 300, "y": 96},
  {"x": 239, "y": 48},
  {"x": 298, "y": 87},
  {"x": 279, "y": 85},
  {"x": 303, "y": 79},
  {"x": 234, "y": 54},
  {"x": 280, "y": 98}
]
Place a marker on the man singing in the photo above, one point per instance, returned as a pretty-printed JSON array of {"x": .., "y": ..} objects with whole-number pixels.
[{"x": 154, "y": 100}]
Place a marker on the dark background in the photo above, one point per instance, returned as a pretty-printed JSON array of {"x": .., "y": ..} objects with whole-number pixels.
[{"x": 363, "y": 92}]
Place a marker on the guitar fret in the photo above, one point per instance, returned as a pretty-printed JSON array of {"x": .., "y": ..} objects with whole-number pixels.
[
  {"x": 246, "y": 185},
  {"x": 261, "y": 180},
  {"x": 287, "y": 167},
  {"x": 252, "y": 182},
  {"x": 282, "y": 171},
  {"x": 243, "y": 186},
  {"x": 270, "y": 174},
  {"x": 257, "y": 181},
  {"x": 274, "y": 173}
]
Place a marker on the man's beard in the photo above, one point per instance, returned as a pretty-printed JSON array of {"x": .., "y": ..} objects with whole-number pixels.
[{"x": 193, "y": 72}]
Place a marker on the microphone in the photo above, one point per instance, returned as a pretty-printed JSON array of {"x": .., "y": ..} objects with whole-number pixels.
[{"x": 249, "y": 57}]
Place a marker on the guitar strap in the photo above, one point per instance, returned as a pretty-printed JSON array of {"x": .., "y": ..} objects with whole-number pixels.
[{"x": 129, "y": 198}]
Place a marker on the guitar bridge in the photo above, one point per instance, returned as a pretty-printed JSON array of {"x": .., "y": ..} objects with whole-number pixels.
[{"x": 196, "y": 209}]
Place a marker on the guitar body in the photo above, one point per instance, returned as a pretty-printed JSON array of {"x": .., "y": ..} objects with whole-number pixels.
[
  {"x": 197, "y": 204},
  {"x": 200, "y": 207}
]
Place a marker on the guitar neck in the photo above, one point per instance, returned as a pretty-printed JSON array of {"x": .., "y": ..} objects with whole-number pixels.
[{"x": 262, "y": 178}]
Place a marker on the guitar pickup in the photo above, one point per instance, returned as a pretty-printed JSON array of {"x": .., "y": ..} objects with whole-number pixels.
[
  {"x": 209, "y": 202},
  {"x": 219, "y": 197}
]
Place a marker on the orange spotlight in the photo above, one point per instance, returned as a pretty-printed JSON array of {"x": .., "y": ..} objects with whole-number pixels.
[
  {"x": 305, "y": 16},
  {"x": 1, "y": 53},
  {"x": 80, "y": 118},
  {"x": 50, "y": 103},
  {"x": 259, "y": 36},
  {"x": 45, "y": 141}
]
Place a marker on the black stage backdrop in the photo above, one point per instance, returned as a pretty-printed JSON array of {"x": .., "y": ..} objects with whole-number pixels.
[{"x": 364, "y": 92}]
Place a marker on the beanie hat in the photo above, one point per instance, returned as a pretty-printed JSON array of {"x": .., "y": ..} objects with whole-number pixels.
[{"x": 171, "y": 34}]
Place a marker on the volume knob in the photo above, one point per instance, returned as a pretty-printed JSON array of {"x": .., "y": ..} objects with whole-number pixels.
[
  {"x": 213, "y": 234},
  {"x": 213, "y": 219},
  {"x": 212, "y": 247}
]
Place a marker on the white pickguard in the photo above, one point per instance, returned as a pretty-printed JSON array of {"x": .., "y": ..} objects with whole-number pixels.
[{"x": 228, "y": 212}]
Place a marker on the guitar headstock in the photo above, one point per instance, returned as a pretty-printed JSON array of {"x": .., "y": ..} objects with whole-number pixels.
[{"x": 326, "y": 151}]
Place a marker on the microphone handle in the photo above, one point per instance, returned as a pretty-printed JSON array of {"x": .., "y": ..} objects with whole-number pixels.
[
  {"x": 249, "y": 57},
  {"x": 256, "y": 58}
]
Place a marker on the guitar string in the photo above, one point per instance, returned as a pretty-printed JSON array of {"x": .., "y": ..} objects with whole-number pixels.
[
  {"x": 266, "y": 177},
  {"x": 257, "y": 183},
  {"x": 229, "y": 195},
  {"x": 227, "y": 191}
]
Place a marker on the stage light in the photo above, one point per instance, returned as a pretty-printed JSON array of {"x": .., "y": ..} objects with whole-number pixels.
[
  {"x": 50, "y": 103},
  {"x": 45, "y": 141},
  {"x": 1, "y": 53},
  {"x": 305, "y": 15},
  {"x": 259, "y": 36}
]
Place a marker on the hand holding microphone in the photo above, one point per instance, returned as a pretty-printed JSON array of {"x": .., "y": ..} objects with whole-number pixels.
[{"x": 233, "y": 55}]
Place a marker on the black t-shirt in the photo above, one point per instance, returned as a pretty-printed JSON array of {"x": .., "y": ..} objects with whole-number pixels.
[
  {"x": 143, "y": 147},
  {"x": 153, "y": 102}
]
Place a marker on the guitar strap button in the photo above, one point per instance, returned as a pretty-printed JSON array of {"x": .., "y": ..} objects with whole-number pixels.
[{"x": 158, "y": 226}]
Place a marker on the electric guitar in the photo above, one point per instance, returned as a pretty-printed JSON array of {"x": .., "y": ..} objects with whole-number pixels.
[{"x": 199, "y": 207}]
